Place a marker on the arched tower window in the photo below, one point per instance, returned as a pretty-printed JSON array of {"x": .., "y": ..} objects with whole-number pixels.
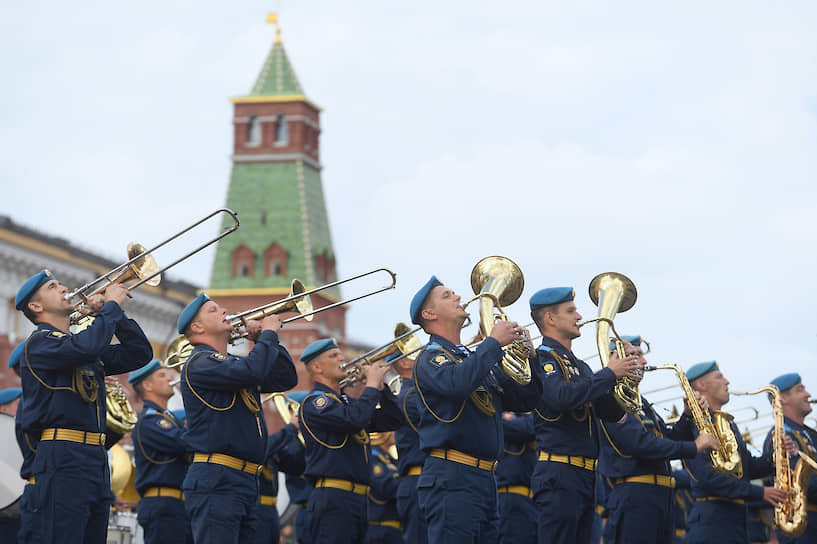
[
  {"x": 243, "y": 261},
  {"x": 281, "y": 130},
  {"x": 276, "y": 260},
  {"x": 253, "y": 131}
]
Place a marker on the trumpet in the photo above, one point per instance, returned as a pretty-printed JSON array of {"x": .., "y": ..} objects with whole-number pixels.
[
  {"x": 285, "y": 407},
  {"x": 405, "y": 343},
  {"x": 142, "y": 265}
]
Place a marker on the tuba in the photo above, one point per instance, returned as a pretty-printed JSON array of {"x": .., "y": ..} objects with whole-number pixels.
[
  {"x": 790, "y": 516},
  {"x": 613, "y": 293},
  {"x": 121, "y": 418},
  {"x": 727, "y": 458},
  {"x": 498, "y": 282}
]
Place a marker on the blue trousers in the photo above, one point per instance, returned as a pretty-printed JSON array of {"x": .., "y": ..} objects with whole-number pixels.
[
  {"x": 164, "y": 520},
  {"x": 640, "y": 514},
  {"x": 268, "y": 530},
  {"x": 459, "y": 502},
  {"x": 302, "y": 525},
  {"x": 717, "y": 521},
  {"x": 415, "y": 530},
  {"x": 564, "y": 496},
  {"x": 222, "y": 504},
  {"x": 29, "y": 519},
  {"x": 336, "y": 516},
  {"x": 517, "y": 518},
  {"x": 377, "y": 534}
]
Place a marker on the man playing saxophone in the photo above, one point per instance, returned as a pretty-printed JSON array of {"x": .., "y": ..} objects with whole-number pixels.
[
  {"x": 794, "y": 400},
  {"x": 635, "y": 454},
  {"x": 719, "y": 513}
]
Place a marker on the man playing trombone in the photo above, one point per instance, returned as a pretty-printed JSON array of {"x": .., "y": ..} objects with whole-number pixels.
[
  {"x": 63, "y": 377},
  {"x": 461, "y": 397},
  {"x": 226, "y": 427},
  {"x": 335, "y": 428}
]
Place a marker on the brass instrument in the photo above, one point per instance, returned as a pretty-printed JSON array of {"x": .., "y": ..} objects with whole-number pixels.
[
  {"x": 405, "y": 342},
  {"x": 791, "y": 515},
  {"x": 727, "y": 458},
  {"x": 123, "y": 475},
  {"x": 614, "y": 293},
  {"x": 121, "y": 418},
  {"x": 498, "y": 282},
  {"x": 296, "y": 302},
  {"x": 285, "y": 406}
]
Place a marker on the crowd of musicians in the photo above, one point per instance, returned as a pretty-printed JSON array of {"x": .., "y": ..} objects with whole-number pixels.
[{"x": 480, "y": 457}]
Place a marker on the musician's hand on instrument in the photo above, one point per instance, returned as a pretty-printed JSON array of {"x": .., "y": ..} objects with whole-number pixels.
[
  {"x": 773, "y": 495},
  {"x": 375, "y": 374},
  {"x": 622, "y": 367},
  {"x": 110, "y": 380},
  {"x": 506, "y": 332},
  {"x": 295, "y": 420},
  {"x": 700, "y": 400},
  {"x": 706, "y": 442},
  {"x": 791, "y": 446},
  {"x": 528, "y": 342},
  {"x": 271, "y": 323},
  {"x": 93, "y": 304},
  {"x": 253, "y": 329},
  {"x": 117, "y": 293}
]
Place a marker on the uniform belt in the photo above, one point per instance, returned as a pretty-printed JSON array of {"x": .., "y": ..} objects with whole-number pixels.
[
  {"x": 599, "y": 509},
  {"x": 345, "y": 485},
  {"x": 724, "y": 499},
  {"x": 31, "y": 480},
  {"x": 73, "y": 435},
  {"x": 394, "y": 524},
  {"x": 227, "y": 461},
  {"x": 680, "y": 533},
  {"x": 652, "y": 479},
  {"x": 164, "y": 492},
  {"x": 267, "y": 500},
  {"x": 416, "y": 470},
  {"x": 587, "y": 463},
  {"x": 517, "y": 489},
  {"x": 463, "y": 458},
  {"x": 810, "y": 507}
]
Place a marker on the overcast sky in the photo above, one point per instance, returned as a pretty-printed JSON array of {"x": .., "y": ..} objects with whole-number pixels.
[{"x": 673, "y": 144}]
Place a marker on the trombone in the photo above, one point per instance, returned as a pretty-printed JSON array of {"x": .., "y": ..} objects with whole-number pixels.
[
  {"x": 297, "y": 302},
  {"x": 405, "y": 343},
  {"x": 141, "y": 264}
]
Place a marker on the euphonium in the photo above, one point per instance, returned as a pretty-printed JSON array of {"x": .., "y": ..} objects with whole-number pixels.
[
  {"x": 498, "y": 282},
  {"x": 613, "y": 293},
  {"x": 285, "y": 407},
  {"x": 791, "y": 515},
  {"x": 727, "y": 458},
  {"x": 121, "y": 418}
]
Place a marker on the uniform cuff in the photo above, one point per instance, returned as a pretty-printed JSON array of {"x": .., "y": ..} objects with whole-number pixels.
[{"x": 689, "y": 450}]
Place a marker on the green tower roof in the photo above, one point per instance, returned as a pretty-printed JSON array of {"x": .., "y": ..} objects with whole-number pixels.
[{"x": 277, "y": 77}]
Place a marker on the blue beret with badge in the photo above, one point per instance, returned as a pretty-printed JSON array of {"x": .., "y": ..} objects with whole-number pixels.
[
  {"x": 297, "y": 396},
  {"x": 632, "y": 340},
  {"x": 141, "y": 373},
  {"x": 420, "y": 297},
  {"x": 550, "y": 296},
  {"x": 17, "y": 355},
  {"x": 10, "y": 394},
  {"x": 698, "y": 370},
  {"x": 317, "y": 347},
  {"x": 30, "y": 287},
  {"x": 179, "y": 414},
  {"x": 786, "y": 381},
  {"x": 191, "y": 310}
]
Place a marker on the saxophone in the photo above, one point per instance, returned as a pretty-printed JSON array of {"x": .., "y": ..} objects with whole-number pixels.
[
  {"x": 791, "y": 515},
  {"x": 727, "y": 458}
]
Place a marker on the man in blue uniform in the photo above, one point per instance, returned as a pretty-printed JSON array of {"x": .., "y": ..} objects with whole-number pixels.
[
  {"x": 410, "y": 457},
  {"x": 10, "y": 521},
  {"x": 635, "y": 454},
  {"x": 719, "y": 513},
  {"x": 298, "y": 488},
  {"x": 461, "y": 396},
  {"x": 159, "y": 455},
  {"x": 573, "y": 399},
  {"x": 226, "y": 427},
  {"x": 29, "y": 526},
  {"x": 335, "y": 428},
  {"x": 63, "y": 376},
  {"x": 681, "y": 505},
  {"x": 517, "y": 514},
  {"x": 381, "y": 513},
  {"x": 794, "y": 399}
]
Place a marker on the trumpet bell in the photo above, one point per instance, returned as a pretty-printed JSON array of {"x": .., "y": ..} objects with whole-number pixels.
[
  {"x": 303, "y": 304},
  {"x": 144, "y": 267},
  {"x": 178, "y": 351},
  {"x": 499, "y": 267}
]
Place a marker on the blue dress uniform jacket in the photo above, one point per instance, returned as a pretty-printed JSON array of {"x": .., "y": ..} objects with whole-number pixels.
[
  {"x": 563, "y": 481},
  {"x": 227, "y": 431},
  {"x": 58, "y": 371},
  {"x": 161, "y": 465},
  {"x": 29, "y": 517},
  {"x": 517, "y": 514},
  {"x": 337, "y": 457},
  {"x": 410, "y": 461},
  {"x": 635, "y": 448},
  {"x": 806, "y": 440},
  {"x": 681, "y": 505},
  {"x": 384, "y": 525},
  {"x": 278, "y": 458},
  {"x": 461, "y": 397},
  {"x": 719, "y": 513}
]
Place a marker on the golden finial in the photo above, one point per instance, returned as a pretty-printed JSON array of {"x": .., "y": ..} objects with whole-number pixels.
[{"x": 272, "y": 18}]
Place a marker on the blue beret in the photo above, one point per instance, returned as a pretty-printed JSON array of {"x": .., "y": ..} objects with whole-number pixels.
[
  {"x": 17, "y": 355},
  {"x": 633, "y": 340},
  {"x": 786, "y": 381},
  {"x": 180, "y": 414},
  {"x": 698, "y": 370},
  {"x": 317, "y": 347},
  {"x": 190, "y": 311},
  {"x": 420, "y": 297},
  {"x": 30, "y": 287},
  {"x": 297, "y": 396},
  {"x": 8, "y": 395},
  {"x": 141, "y": 373},
  {"x": 551, "y": 295},
  {"x": 394, "y": 356}
]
